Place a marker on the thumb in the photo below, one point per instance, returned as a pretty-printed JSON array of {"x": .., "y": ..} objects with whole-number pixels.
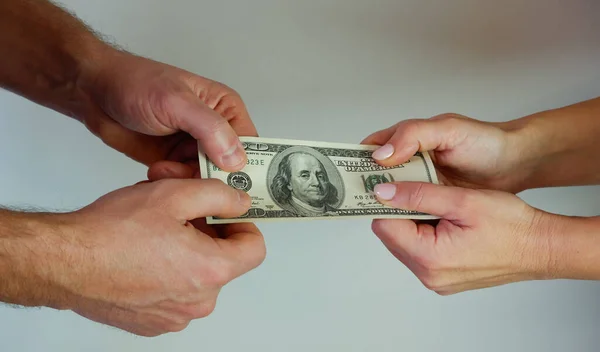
[
  {"x": 402, "y": 141},
  {"x": 450, "y": 203},
  {"x": 213, "y": 132}
]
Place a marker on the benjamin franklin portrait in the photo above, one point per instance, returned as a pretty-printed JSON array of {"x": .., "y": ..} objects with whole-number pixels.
[{"x": 304, "y": 182}]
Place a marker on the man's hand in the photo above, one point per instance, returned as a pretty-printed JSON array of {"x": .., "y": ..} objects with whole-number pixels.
[
  {"x": 145, "y": 268},
  {"x": 133, "y": 259},
  {"x": 484, "y": 238},
  {"x": 152, "y": 112},
  {"x": 148, "y": 110},
  {"x": 466, "y": 152}
]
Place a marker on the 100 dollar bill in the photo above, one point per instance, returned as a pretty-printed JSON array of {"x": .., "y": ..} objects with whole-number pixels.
[{"x": 293, "y": 179}]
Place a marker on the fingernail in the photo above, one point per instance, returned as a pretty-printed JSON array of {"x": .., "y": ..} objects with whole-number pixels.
[
  {"x": 234, "y": 156},
  {"x": 383, "y": 152},
  {"x": 385, "y": 191}
]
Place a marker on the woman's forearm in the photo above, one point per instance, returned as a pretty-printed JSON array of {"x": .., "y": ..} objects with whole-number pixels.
[
  {"x": 559, "y": 147},
  {"x": 574, "y": 247}
]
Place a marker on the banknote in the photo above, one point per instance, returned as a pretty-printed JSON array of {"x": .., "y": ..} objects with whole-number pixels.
[{"x": 307, "y": 180}]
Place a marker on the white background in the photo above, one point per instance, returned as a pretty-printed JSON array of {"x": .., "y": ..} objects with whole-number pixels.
[{"x": 338, "y": 70}]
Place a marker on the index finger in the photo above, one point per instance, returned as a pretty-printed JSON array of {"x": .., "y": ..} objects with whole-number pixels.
[
  {"x": 381, "y": 136},
  {"x": 233, "y": 109}
]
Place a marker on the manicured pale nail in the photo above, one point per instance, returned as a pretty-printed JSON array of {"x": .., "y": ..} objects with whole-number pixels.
[
  {"x": 383, "y": 152},
  {"x": 234, "y": 156},
  {"x": 385, "y": 191}
]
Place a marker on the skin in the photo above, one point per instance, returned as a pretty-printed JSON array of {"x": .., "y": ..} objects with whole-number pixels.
[
  {"x": 137, "y": 258},
  {"x": 308, "y": 182},
  {"x": 486, "y": 235},
  {"x": 457, "y": 145},
  {"x": 148, "y": 110},
  {"x": 141, "y": 258},
  {"x": 153, "y": 113}
]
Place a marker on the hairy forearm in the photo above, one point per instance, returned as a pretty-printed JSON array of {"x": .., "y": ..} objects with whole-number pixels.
[
  {"x": 45, "y": 50},
  {"x": 559, "y": 147},
  {"x": 574, "y": 247},
  {"x": 31, "y": 257}
]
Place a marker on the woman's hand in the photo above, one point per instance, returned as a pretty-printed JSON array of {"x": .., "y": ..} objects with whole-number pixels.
[
  {"x": 466, "y": 152},
  {"x": 483, "y": 239}
]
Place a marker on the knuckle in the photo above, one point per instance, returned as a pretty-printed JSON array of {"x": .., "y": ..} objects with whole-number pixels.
[
  {"x": 219, "y": 196},
  {"x": 216, "y": 125},
  {"x": 224, "y": 88},
  {"x": 98, "y": 127},
  {"x": 431, "y": 281},
  {"x": 217, "y": 273},
  {"x": 428, "y": 263},
  {"x": 224, "y": 197},
  {"x": 224, "y": 98},
  {"x": 213, "y": 184},
  {"x": 231, "y": 93},
  {"x": 449, "y": 124},
  {"x": 177, "y": 326},
  {"x": 465, "y": 199},
  {"x": 148, "y": 333},
  {"x": 174, "y": 192},
  {"x": 408, "y": 127},
  {"x": 174, "y": 322},
  {"x": 431, "y": 272},
  {"x": 203, "y": 309},
  {"x": 453, "y": 123},
  {"x": 385, "y": 230},
  {"x": 416, "y": 196},
  {"x": 159, "y": 195},
  {"x": 168, "y": 193},
  {"x": 443, "y": 292},
  {"x": 215, "y": 187},
  {"x": 445, "y": 116},
  {"x": 437, "y": 280},
  {"x": 407, "y": 133},
  {"x": 163, "y": 186},
  {"x": 452, "y": 117},
  {"x": 159, "y": 99},
  {"x": 377, "y": 226},
  {"x": 258, "y": 255},
  {"x": 164, "y": 100}
]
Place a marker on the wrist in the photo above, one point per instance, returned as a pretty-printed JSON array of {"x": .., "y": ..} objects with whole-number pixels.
[
  {"x": 555, "y": 146},
  {"x": 542, "y": 241},
  {"x": 94, "y": 81},
  {"x": 32, "y": 260},
  {"x": 514, "y": 169},
  {"x": 91, "y": 58},
  {"x": 526, "y": 151},
  {"x": 574, "y": 248}
]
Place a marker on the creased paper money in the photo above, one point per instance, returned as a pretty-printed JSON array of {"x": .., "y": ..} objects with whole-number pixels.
[{"x": 303, "y": 180}]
